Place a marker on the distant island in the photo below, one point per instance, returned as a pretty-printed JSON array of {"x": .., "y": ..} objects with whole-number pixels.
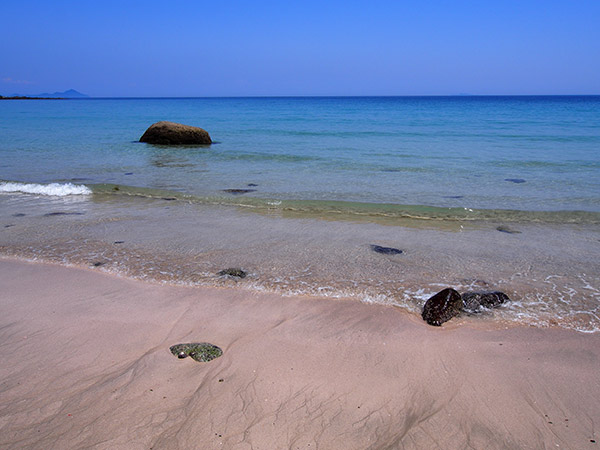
[{"x": 71, "y": 93}]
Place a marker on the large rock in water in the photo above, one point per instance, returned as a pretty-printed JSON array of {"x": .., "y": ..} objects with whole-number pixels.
[
  {"x": 442, "y": 307},
  {"x": 171, "y": 133}
]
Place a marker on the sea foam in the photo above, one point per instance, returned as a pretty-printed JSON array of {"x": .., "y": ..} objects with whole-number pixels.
[{"x": 52, "y": 189}]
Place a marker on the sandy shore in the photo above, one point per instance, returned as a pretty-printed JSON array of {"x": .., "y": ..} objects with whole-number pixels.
[{"x": 86, "y": 364}]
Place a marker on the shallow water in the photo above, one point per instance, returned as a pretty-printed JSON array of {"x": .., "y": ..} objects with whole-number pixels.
[
  {"x": 479, "y": 192},
  {"x": 550, "y": 272},
  {"x": 457, "y": 152}
]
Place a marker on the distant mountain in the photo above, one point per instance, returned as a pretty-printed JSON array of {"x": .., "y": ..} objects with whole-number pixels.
[{"x": 71, "y": 93}]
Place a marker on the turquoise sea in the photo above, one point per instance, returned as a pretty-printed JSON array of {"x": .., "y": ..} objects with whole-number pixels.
[
  {"x": 328, "y": 177},
  {"x": 481, "y": 153}
]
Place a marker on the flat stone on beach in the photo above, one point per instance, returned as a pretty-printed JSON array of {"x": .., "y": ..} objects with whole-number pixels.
[{"x": 199, "y": 351}]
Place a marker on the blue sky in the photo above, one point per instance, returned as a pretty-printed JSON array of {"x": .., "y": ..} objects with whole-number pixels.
[{"x": 231, "y": 48}]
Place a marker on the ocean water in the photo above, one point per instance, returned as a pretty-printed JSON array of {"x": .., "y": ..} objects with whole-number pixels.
[{"x": 326, "y": 178}]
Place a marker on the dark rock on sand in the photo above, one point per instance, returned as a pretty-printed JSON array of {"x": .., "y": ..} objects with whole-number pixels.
[
  {"x": 171, "y": 133},
  {"x": 507, "y": 229},
  {"x": 233, "y": 272},
  {"x": 238, "y": 191},
  {"x": 98, "y": 264},
  {"x": 515, "y": 180},
  {"x": 119, "y": 242},
  {"x": 169, "y": 199},
  {"x": 472, "y": 301},
  {"x": 442, "y": 307},
  {"x": 385, "y": 250},
  {"x": 200, "y": 351}
]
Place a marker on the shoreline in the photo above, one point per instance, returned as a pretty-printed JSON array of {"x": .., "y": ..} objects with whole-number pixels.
[
  {"x": 86, "y": 364},
  {"x": 549, "y": 272}
]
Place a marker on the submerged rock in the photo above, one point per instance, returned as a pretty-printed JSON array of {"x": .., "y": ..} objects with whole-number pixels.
[
  {"x": 507, "y": 229},
  {"x": 171, "y": 133},
  {"x": 472, "y": 301},
  {"x": 238, "y": 191},
  {"x": 442, "y": 307},
  {"x": 199, "y": 351},
  {"x": 385, "y": 250},
  {"x": 233, "y": 272},
  {"x": 515, "y": 180},
  {"x": 62, "y": 213}
]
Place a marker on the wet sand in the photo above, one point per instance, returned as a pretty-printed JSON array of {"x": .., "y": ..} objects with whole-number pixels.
[
  {"x": 550, "y": 272},
  {"x": 86, "y": 364}
]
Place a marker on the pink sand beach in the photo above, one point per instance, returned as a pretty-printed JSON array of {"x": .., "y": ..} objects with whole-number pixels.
[{"x": 86, "y": 364}]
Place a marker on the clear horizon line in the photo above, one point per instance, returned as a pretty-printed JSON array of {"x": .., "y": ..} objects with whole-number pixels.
[{"x": 331, "y": 96}]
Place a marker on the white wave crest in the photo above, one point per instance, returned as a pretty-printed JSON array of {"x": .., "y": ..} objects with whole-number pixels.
[{"x": 53, "y": 189}]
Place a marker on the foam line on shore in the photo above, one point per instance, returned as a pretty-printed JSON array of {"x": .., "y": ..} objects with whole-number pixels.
[
  {"x": 384, "y": 213},
  {"x": 51, "y": 189}
]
